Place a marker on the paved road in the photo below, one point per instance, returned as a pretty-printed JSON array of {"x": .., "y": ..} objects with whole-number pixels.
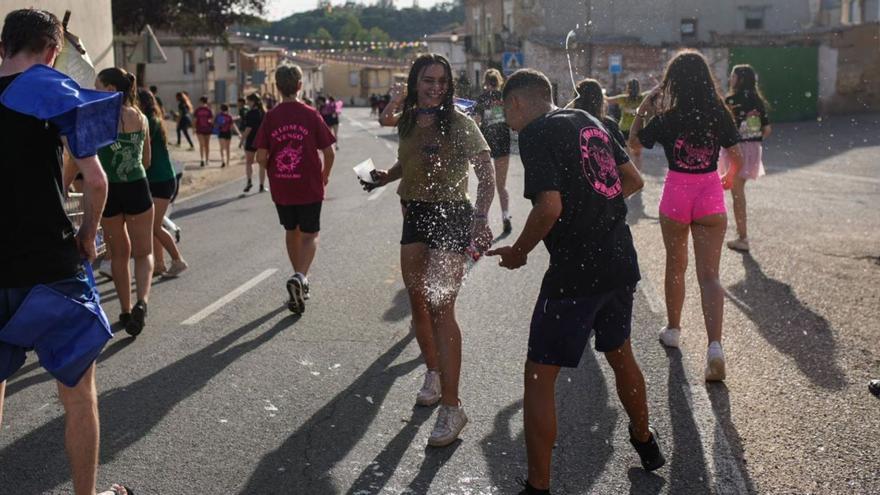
[{"x": 241, "y": 397}]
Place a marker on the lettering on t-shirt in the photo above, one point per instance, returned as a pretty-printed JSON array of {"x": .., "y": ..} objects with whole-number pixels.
[
  {"x": 599, "y": 165},
  {"x": 693, "y": 153},
  {"x": 289, "y": 157}
]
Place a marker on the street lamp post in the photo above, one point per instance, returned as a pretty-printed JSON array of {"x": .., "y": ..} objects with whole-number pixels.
[{"x": 208, "y": 60}]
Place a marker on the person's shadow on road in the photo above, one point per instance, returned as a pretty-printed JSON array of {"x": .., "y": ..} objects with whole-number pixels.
[
  {"x": 303, "y": 463},
  {"x": 687, "y": 462},
  {"x": 790, "y": 326},
  {"x": 586, "y": 423},
  {"x": 130, "y": 412}
]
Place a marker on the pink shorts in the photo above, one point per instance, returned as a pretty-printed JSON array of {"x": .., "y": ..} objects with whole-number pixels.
[
  {"x": 753, "y": 163},
  {"x": 687, "y": 197}
]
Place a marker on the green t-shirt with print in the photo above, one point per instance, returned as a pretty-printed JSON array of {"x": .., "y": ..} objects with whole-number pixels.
[{"x": 435, "y": 167}]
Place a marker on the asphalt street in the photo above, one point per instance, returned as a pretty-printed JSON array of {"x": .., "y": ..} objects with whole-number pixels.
[{"x": 227, "y": 392}]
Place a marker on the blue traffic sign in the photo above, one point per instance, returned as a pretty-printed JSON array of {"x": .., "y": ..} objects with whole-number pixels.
[
  {"x": 512, "y": 62},
  {"x": 615, "y": 64}
]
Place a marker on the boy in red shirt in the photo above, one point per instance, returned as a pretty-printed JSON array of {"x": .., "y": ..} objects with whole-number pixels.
[{"x": 287, "y": 143}]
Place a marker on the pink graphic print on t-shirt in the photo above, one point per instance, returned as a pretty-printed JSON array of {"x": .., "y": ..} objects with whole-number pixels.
[
  {"x": 599, "y": 165},
  {"x": 694, "y": 153},
  {"x": 288, "y": 159}
]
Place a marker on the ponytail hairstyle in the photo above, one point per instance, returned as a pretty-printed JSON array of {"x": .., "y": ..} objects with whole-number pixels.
[
  {"x": 123, "y": 81},
  {"x": 445, "y": 111},
  {"x": 255, "y": 99},
  {"x": 150, "y": 108},
  {"x": 591, "y": 98},
  {"x": 747, "y": 83}
]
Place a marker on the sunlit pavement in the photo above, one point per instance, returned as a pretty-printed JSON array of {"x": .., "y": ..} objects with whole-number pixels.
[{"x": 241, "y": 397}]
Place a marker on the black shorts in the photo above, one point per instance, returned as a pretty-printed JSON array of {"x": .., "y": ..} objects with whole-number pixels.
[
  {"x": 165, "y": 189},
  {"x": 249, "y": 146},
  {"x": 445, "y": 226},
  {"x": 129, "y": 198},
  {"x": 561, "y": 328},
  {"x": 177, "y": 179},
  {"x": 305, "y": 217},
  {"x": 224, "y": 135},
  {"x": 498, "y": 137}
]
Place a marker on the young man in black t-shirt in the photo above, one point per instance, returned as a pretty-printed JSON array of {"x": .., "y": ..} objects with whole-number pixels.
[
  {"x": 46, "y": 251},
  {"x": 576, "y": 176}
]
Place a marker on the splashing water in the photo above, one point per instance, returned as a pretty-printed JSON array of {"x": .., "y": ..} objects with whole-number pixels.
[{"x": 571, "y": 35}]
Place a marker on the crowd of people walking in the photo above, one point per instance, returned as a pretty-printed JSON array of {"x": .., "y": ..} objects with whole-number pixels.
[{"x": 579, "y": 167}]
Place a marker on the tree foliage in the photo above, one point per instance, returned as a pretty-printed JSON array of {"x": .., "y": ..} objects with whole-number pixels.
[
  {"x": 356, "y": 22},
  {"x": 184, "y": 17}
]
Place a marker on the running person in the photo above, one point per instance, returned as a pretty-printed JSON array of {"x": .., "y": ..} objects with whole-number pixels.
[
  {"x": 628, "y": 103},
  {"x": 47, "y": 253},
  {"x": 288, "y": 142},
  {"x": 692, "y": 124},
  {"x": 749, "y": 108},
  {"x": 437, "y": 143},
  {"x": 163, "y": 186},
  {"x": 225, "y": 127},
  {"x": 252, "y": 121},
  {"x": 128, "y": 214},
  {"x": 204, "y": 118},
  {"x": 184, "y": 118},
  {"x": 577, "y": 192},
  {"x": 489, "y": 115}
]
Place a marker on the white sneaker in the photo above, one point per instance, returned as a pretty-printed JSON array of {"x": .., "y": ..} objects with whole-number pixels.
[
  {"x": 450, "y": 421},
  {"x": 739, "y": 245},
  {"x": 430, "y": 391},
  {"x": 177, "y": 267},
  {"x": 715, "y": 369},
  {"x": 670, "y": 336}
]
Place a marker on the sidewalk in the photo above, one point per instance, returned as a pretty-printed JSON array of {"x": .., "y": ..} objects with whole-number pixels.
[{"x": 196, "y": 178}]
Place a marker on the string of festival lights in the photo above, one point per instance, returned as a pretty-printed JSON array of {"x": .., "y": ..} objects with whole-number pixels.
[{"x": 335, "y": 44}]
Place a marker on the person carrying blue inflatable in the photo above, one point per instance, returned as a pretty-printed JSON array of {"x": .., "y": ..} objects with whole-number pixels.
[{"x": 48, "y": 301}]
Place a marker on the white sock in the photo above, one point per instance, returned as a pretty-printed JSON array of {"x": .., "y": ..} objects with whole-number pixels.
[{"x": 505, "y": 215}]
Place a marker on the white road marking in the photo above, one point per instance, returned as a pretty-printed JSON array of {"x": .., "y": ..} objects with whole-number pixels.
[
  {"x": 219, "y": 303},
  {"x": 375, "y": 194}
]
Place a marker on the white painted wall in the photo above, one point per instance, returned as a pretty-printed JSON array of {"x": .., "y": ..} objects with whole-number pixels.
[
  {"x": 827, "y": 77},
  {"x": 91, "y": 20}
]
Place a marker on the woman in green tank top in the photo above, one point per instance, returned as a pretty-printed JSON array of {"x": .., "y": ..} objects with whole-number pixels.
[
  {"x": 128, "y": 213},
  {"x": 163, "y": 185}
]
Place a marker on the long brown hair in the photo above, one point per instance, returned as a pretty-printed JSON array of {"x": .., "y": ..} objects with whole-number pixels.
[
  {"x": 150, "y": 107},
  {"x": 747, "y": 82},
  {"x": 184, "y": 98},
  {"x": 410, "y": 105},
  {"x": 689, "y": 88}
]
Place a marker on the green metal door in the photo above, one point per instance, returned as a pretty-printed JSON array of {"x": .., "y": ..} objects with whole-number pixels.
[{"x": 788, "y": 76}]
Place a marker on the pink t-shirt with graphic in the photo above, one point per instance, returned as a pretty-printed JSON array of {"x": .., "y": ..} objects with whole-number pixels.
[
  {"x": 204, "y": 120},
  {"x": 294, "y": 133}
]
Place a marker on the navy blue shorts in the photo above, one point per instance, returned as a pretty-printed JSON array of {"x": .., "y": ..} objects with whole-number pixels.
[
  {"x": 61, "y": 321},
  {"x": 561, "y": 328}
]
